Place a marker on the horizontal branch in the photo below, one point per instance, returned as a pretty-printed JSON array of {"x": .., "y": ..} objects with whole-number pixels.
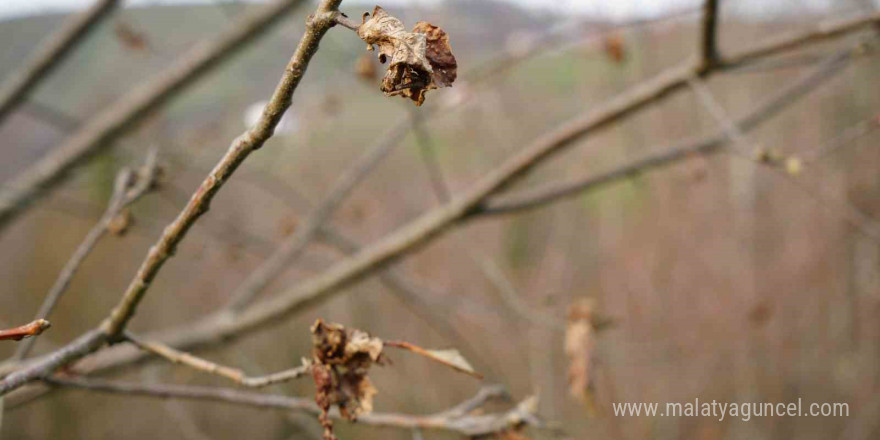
[
  {"x": 100, "y": 131},
  {"x": 458, "y": 419},
  {"x": 59, "y": 45}
]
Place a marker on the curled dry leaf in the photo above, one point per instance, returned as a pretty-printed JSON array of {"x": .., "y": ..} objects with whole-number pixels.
[
  {"x": 418, "y": 61},
  {"x": 579, "y": 347},
  {"x": 451, "y": 358}
]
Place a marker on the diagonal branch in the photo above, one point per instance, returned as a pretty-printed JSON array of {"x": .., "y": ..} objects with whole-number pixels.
[
  {"x": 512, "y": 299},
  {"x": 100, "y": 131},
  {"x": 16, "y": 87},
  {"x": 112, "y": 327},
  {"x": 762, "y": 112},
  {"x": 792, "y": 41}
]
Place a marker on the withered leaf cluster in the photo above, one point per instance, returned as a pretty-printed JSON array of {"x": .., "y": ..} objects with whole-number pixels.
[
  {"x": 418, "y": 61},
  {"x": 342, "y": 358}
]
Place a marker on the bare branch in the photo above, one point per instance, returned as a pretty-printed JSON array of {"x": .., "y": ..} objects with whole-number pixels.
[
  {"x": 709, "y": 48},
  {"x": 15, "y": 88},
  {"x": 453, "y": 420},
  {"x": 234, "y": 374},
  {"x": 28, "y": 330},
  {"x": 112, "y": 327},
  {"x": 99, "y": 132},
  {"x": 128, "y": 188},
  {"x": 253, "y": 139},
  {"x": 534, "y": 198},
  {"x": 821, "y": 32},
  {"x": 346, "y": 22}
]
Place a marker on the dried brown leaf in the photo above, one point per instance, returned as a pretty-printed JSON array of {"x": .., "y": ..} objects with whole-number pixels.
[
  {"x": 579, "y": 348},
  {"x": 412, "y": 56},
  {"x": 439, "y": 54},
  {"x": 451, "y": 358},
  {"x": 342, "y": 359}
]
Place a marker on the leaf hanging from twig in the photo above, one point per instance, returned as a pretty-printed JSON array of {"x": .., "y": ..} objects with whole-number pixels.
[
  {"x": 418, "y": 61},
  {"x": 451, "y": 357}
]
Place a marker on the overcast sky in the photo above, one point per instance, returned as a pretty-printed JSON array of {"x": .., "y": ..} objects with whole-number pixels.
[{"x": 608, "y": 8}]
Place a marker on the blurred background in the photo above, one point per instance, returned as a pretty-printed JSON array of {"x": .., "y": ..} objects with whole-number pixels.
[{"x": 723, "y": 279}]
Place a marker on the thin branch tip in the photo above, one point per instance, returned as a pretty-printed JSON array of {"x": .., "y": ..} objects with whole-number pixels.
[{"x": 31, "y": 329}]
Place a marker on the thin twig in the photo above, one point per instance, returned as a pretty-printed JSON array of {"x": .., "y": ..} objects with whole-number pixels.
[
  {"x": 848, "y": 136},
  {"x": 28, "y": 330},
  {"x": 128, "y": 188},
  {"x": 450, "y": 420},
  {"x": 854, "y": 216},
  {"x": 100, "y": 131},
  {"x": 512, "y": 298},
  {"x": 428, "y": 152},
  {"x": 59, "y": 45},
  {"x": 112, "y": 327},
  {"x": 234, "y": 374}
]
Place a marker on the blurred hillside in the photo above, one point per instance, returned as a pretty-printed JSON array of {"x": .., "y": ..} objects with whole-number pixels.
[{"x": 726, "y": 280}]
